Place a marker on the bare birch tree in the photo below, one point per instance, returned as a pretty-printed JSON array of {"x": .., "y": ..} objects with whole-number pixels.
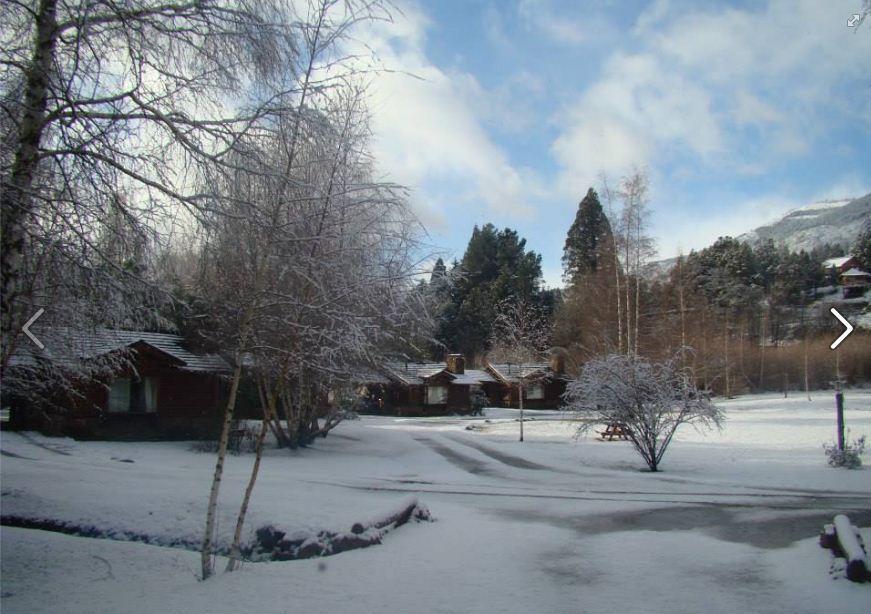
[
  {"x": 126, "y": 106},
  {"x": 637, "y": 248},
  {"x": 521, "y": 335}
]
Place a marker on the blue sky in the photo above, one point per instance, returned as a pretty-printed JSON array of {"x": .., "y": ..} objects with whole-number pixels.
[{"x": 507, "y": 111}]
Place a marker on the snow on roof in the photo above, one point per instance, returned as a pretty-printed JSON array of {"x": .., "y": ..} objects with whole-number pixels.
[
  {"x": 365, "y": 375},
  {"x": 512, "y": 372},
  {"x": 416, "y": 373},
  {"x": 836, "y": 262},
  {"x": 854, "y": 272},
  {"x": 472, "y": 377},
  {"x": 64, "y": 346}
]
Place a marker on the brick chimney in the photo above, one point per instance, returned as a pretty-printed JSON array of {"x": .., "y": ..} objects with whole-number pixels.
[
  {"x": 557, "y": 363},
  {"x": 456, "y": 364}
]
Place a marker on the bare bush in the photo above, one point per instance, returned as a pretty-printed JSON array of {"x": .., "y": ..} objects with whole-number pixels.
[
  {"x": 650, "y": 400},
  {"x": 848, "y": 458}
]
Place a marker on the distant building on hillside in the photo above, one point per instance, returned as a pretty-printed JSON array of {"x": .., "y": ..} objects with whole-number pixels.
[
  {"x": 840, "y": 264},
  {"x": 855, "y": 282}
]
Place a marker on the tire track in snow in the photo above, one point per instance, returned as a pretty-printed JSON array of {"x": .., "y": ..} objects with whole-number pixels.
[
  {"x": 506, "y": 459},
  {"x": 44, "y": 446},
  {"x": 722, "y": 522},
  {"x": 14, "y": 455},
  {"x": 844, "y": 504},
  {"x": 466, "y": 463}
]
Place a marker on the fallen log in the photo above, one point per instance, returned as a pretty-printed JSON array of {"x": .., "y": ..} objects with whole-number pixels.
[
  {"x": 850, "y": 544},
  {"x": 828, "y": 539}
]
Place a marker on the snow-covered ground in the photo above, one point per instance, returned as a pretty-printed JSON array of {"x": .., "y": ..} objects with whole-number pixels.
[{"x": 553, "y": 524}]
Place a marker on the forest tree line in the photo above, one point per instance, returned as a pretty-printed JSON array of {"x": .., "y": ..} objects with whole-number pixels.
[{"x": 745, "y": 317}]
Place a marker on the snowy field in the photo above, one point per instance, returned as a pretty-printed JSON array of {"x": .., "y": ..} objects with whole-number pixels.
[{"x": 554, "y": 524}]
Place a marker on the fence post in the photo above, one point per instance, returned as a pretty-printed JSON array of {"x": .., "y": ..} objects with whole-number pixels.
[{"x": 839, "y": 402}]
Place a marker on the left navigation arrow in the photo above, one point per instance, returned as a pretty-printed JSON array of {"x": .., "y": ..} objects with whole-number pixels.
[{"x": 26, "y": 328}]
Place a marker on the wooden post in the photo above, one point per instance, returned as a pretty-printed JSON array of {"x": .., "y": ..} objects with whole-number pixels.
[
  {"x": 520, "y": 388},
  {"x": 839, "y": 403}
]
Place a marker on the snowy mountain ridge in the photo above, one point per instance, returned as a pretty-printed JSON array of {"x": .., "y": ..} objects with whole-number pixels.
[
  {"x": 812, "y": 225},
  {"x": 815, "y": 224}
]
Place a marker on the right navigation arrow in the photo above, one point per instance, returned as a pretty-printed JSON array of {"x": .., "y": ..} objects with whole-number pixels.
[{"x": 847, "y": 325}]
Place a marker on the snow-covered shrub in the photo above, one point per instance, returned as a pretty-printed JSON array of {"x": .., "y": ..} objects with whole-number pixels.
[
  {"x": 243, "y": 440},
  {"x": 478, "y": 401},
  {"x": 848, "y": 458},
  {"x": 649, "y": 400}
]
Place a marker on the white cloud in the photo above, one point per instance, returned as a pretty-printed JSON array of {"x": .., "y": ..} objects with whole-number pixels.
[
  {"x": 595, "y": 145},
  {"x": 625, "y": 118},
  {"x": 699, "y": 82},
  {"x": 682, "y": 230},
  {"x": 427, "y": 130},
  {"x": 558, "y": 27},
  {"x": 750, "y": 109}
]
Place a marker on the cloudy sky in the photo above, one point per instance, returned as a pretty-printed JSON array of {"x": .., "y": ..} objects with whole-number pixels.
[{"x": 506, "y": 111}]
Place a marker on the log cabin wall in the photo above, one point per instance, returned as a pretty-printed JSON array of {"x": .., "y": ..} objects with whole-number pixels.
[{"x": 188, "y": 404}]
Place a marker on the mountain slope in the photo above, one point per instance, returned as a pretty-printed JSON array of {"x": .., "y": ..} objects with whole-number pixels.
[{"x": 834, "y": 221}]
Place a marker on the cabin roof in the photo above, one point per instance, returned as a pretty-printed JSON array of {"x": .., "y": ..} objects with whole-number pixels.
[
  {"x": 856, "y": 273},
  {"x": 512, "y": 372},
  {"x": 418, "y": 373},
  {"x": 836, "y": 262},
  {"x": 66, "y": 346}
]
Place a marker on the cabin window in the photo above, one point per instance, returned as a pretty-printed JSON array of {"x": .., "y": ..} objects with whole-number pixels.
[
  {"x": 535, "y": 392},
  {"x": 128, "y": 395},
  {"x": 436, "y": 395}
]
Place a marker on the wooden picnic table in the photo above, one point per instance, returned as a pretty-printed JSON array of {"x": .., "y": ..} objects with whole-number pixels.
[{"x": 614, "y": 430}]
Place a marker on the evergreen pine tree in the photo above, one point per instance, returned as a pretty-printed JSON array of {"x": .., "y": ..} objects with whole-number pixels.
[
  {"x": 862, "y": 246},
  {"x": 495, "y": 266},
  {"x": 588, "y": 242},
  {"x": 439, "y": 272}
]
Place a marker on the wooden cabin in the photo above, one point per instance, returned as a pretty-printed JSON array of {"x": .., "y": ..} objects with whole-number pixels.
[
  {"x": 426, "y": 389},
  {"x": 542, "y": 384},
  {"x": 841, "y": 264},
  {"x": 139, "y": 385},
  {"x": 855, "y": 282},
  {"x": 429, "y": 389}
]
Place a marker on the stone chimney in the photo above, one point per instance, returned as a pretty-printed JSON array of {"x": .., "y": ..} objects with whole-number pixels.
[
  {"x": 557, "y": 363},
  {"x": 456, "y": 364}
]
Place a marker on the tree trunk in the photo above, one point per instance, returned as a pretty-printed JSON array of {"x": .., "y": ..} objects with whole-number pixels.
[
  {"x": 619, "y": 302},
  {"x": 235, "y": 550},
  {"x": 705, "y": 351},
  {"x": 762, "y": 355},
  {"x": 726, "y": 343},
  {"x": 638, "y": 248},
  {"x": 16, "y": 201},
  {"x": 683, "y": 325},
  {"x": 807, "y": 386},
  {"x": 628, "y": 310},
  {"x": 206, "y": 551},
  {"x": 520, "y": 389},
  {"x": 626, "y": 278}
]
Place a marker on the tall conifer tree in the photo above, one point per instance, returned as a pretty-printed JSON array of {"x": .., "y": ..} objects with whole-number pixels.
[{"x": 589, "y": 243}]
